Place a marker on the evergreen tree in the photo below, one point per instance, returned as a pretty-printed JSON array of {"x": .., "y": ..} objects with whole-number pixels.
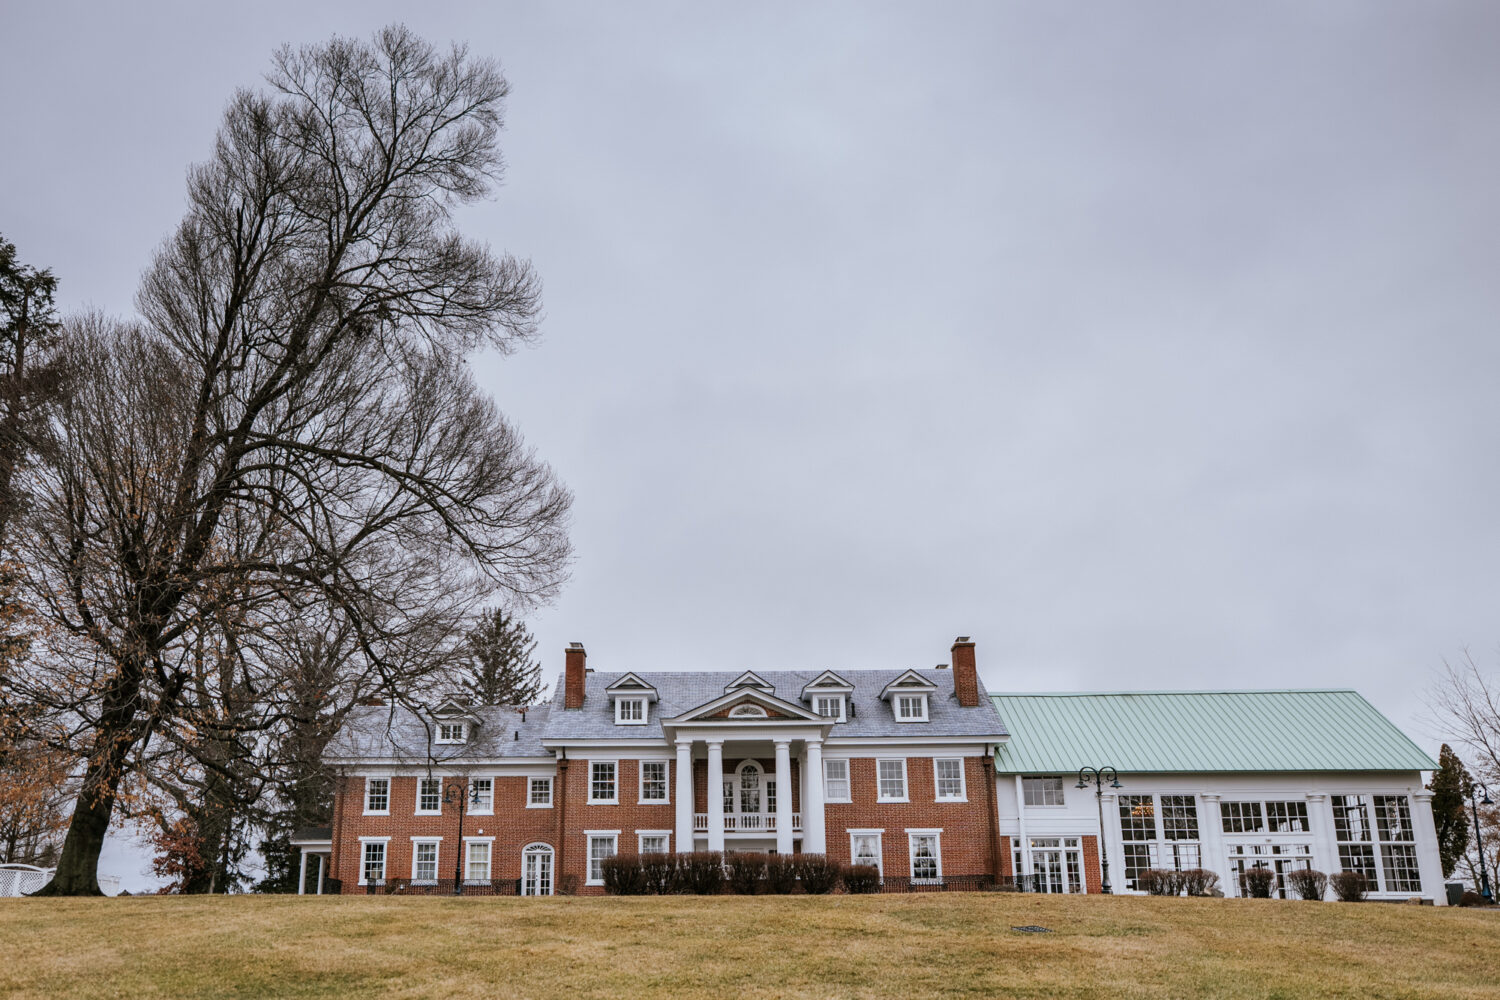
[
  {"x": 1450, "y": 789},
  {"x": 500, "y": 666}
]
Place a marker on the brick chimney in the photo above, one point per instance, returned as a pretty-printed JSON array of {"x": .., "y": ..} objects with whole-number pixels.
[
  {"x": 573, "y": 684},
  {"x": 965, "y": 675}
]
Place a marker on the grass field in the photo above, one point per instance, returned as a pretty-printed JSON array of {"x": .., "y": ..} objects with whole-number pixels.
[{"x": 955, "y": 945}]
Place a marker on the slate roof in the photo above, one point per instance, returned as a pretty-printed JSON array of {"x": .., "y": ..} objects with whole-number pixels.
[
  {"x": 1201, "y": 731},
  {"x": 682, "y": 691},
  {"x": 384, "y": 733}
]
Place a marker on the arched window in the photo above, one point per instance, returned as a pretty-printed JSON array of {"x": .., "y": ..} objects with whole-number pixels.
[
  {"x": 747, "y": 712},
  {"x": 750, "y": 787},
  {"x": 536, "y": 870}
]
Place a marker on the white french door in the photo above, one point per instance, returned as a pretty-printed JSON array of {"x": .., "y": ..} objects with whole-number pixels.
[{"x": 536, "y": 872}]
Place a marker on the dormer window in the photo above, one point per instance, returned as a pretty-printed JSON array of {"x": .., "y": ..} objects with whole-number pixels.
[
  {"x": 911, "y": 708},
  {"x": 452, "y": 732},
  {"x": 829, "y": 706},
  {"x": 748, "y": 712},
  {"x": 630, "y": 711}
]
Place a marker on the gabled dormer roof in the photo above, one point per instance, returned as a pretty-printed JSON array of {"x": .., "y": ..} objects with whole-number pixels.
[
  {"x": 451, "y": 709},
  {"x": 750, "y": 679},
  {"x": 630, "y": 684},
  {"x": 909, "y": 682},
  {"x": 826, "y": 681},
  {"x": 724, "y": 706}
]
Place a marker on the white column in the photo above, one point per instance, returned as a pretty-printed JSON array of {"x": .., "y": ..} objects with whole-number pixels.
[
  {"x": 1429, "y": 862},
  {"x": 302, "y": 875},
  {"x": 1213, "y": 855},
  {"x": 715, "y": 795},
  {"x": 814, "y": 836},
  {"x": 321, "y": 859},
  {"x": 1110, "y": 844},
  {"x": 684, "y": 796},
  {"x": 1021, "y": 832},
  {"x": 784, "y": 802},
  {"x": 1325, "y": 844}
]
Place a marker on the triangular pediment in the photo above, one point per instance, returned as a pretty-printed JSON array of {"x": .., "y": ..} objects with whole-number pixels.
[
  {"x": 737, "y": 706},
  {"x": 909, "y": 682},
  {"x": 750, "y": 679},
  {"x": 631, "y": 684},
  {"x": 452, "y": 709},
  {"x": 826, "y": 681}
]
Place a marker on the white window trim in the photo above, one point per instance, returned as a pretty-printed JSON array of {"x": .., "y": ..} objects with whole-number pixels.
[
  {"x": 880, "y": 796},
  {"x": 843, "y": 701},
  {"x": 539, "y": 847},
  {"x": 588, "y": 851},
  {"x": 963, "y": 781},
  {"x": 848, "y": 781},
  {"x": 641, "y": 835},
  {"x": 478, "y": 840},
  {"x": 645, "y": 704},
  {"x": 437, "y": 857},
  {"x": 389, "y": 788},
  {"x": 1044, "y": 777},
  {"x": 911, "y": 853},
  {"x": 463, "y": 734},
  {"x": 879, "y": 834},
  {"x": 600, "y": 802},
  {"x": 551, "y": 787},
  {"x": 428, "y": 812},
  {"x": 896, "y": 707},
  {"x": 473, "y": 810},
  {"x": 374, "y": 840},
  {"x": 640, "y": 781}
]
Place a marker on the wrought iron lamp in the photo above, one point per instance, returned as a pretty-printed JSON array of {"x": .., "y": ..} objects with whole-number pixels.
[
  {"x": 460, "y": 792},
  {"x": 1098, "y": 775},
  {"x": 1484, "y": 876}
]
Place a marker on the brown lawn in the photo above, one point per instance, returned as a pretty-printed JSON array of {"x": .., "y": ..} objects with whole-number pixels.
[{"x": 954, "y": 945}]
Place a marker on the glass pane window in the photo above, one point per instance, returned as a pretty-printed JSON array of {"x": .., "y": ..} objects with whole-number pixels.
[
  {"x": 1351, "y": 819},
  {"x": 654, "y": 844},
  {"x": 1401, "y": 874},
  {"x": 864, "y": 849},
  {"x": 1393, "y": 819},
  {"x": 479, "y": 861},
  {"x": 599, "y": 849},
  {"x": 836, "y": 780},
  {"x": 1138, "y": 858},
  {"x": 1179, "y": 817},
  {"x": 770, "y": 795},
  {"x": 949, "y": 773},
  {"x": 630, "y": 710},
  {"x": 750, "y": 790},
  {"x": 892, "y": 778},
  {"x": 1241, "y": 817},
  {"x": 374, "y": 866},
  {"x": 1360, "y": 858},
  {"x": 429, "y": 794},
  {"x": 728, "y": 796},
  {"x": 924, "y": 857},
  {"x": 482, "y": 794},
  {"x": 1286, "y": 817},
  {"x": 424, "y": 862},
  {"x": 377, "y": 794},
  {"x": 602, "y": 781},
  {"x": 911, "y": 707},
  {"x": 1042, "y": 791},
  {"x": 540, "y": 792},
  {"x": 1137, "y": 817},
  {"x": 450, "y": 732},
  {"x": 653, "y": 781},
  {"x": 829, "y": 706}
]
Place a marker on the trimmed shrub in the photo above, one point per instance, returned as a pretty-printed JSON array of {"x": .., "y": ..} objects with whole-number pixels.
[
  {"x": 818, "y": 874},
  {"x": 1159, "y": 882},
  {"x": 746, "y": 869},
  {"x": 567, "y": 885},
  {"x": 1307, "y": 883},
  {"x": 1199, "y": 881},
  {"x": 623, "y": 875},
  {"x": 861, "y": 879},
  {"x": 1257, "y": 882},
  {"x": 1349, "y": 887},
  {"x": 660, "y": 872},
  {"x": 702, "y": 872},
  {"x": 781, "y": 873},
  {"x": 1470, "y": 898}
]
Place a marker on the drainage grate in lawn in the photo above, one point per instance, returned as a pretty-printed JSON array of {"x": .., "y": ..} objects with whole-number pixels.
[{"x": 1033, "y": 929}]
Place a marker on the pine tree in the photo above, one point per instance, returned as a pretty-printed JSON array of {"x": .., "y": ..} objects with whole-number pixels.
[
  {"x": 500, "y": 667},
  {"x": 1450, "y": 788}
]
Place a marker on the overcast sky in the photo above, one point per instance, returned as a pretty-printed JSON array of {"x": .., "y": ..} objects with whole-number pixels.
[{"x": 1152, "y": 345}]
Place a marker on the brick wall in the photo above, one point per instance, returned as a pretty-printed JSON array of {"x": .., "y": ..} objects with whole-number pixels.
[
  {"x": 1091, "y": 880},
  {"x": 629, "y": 816}
]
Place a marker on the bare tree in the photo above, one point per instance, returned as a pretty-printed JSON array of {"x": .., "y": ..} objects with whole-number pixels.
[{"x": 293, "y": 420}]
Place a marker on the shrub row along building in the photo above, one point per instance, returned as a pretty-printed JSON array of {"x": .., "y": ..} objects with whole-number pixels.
[{"x": 920, "y": 773}]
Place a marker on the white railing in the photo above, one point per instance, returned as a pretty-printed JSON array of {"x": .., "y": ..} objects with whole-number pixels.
[
  {"x": 746, "y": 822},
  {"x": 18, "y": 880}
]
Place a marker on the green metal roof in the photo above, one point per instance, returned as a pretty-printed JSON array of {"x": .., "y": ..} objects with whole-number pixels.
[{"x": 1196, "y": 731}]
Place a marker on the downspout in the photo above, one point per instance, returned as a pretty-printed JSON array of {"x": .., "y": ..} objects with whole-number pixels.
[
  {"x": 1021, "y": 826},
  {"x": 560, "y": 792}
]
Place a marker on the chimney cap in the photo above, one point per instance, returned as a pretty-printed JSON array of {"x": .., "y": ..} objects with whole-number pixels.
[
  {"x": 941, "y": 666},
  {"x": 575, "y": 645},
  {"x": 962, "y": 638}
]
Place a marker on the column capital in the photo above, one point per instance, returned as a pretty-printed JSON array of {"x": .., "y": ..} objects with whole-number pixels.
[
  {"x": 715, "y": 744},
  {"x": 813, "y": 744},
  {"x": 684, "y": 744},
  {"x": 1210, "y": 796},
  {"x": 1422, "y": 795},
  {"x": 782, "y": 743},
  {"x": 1317, "y": 796}
]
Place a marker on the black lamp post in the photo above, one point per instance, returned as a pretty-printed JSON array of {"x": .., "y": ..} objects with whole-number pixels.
[
  {"x": 1484, "y": 876},
  {"x": 1097, "y": 775},
  {"x": 459, "y": 792}
]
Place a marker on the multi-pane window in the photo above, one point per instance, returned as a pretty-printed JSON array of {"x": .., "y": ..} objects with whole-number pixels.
[
  {"x": 1286, "y": 817},
  {"x": 630, "y": 711},
  {"x": 1138, "y": 858},
  {"x": 1351, "y": 825},
  {"x": 429, "y": 795},
  {"x": 1279, "y": 858},
  {"x": 891, "y": 775},
  {"x": 948, "y": 773},
  {"x": 1056, "y": 863},
  {"x": 864, "y": 849},
  {"x": 377, "y": 795},
  {"x": 728, "y": 796},
  {"x": 926, "y": 860},
  {"x": 836, "y": 780},
  {"x": 602, "y": 781},
  {"x": 600, "y": 847},
  {"x": 911, "y": 707},
  {"x": 424, "y": 861},
  {"x": 1179, "y": 817},
  {"x": 653, "y": 781},
  {"x": 1241, "y": 817},
  {"x": 482, "y": 795},
  {"x": 478, "y": 869},
  {"x": 750, "y": 790},
  {"x": 450, "y": 732},
  {"x": 1137, "y": 817},
  {"x": 1042, "y": 791},
  {"x": 539, "y": 792},
  {"x": 653, "y": 843},
  {"x": 771, "y": 795},
  {"x": 374, "y": 861},
  {"x": 1398, "y": 853},
  {"x": 829, "y": 706}
]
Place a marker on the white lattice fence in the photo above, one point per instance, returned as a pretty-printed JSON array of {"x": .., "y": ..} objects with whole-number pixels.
[{"x": 18, "y": 880}]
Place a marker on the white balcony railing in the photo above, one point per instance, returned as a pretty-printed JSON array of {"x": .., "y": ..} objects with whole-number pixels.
[{"x": 746, "y": 822}]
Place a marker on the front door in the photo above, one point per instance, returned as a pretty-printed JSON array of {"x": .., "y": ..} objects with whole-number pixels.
[{"x": 536, "y": 872}]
